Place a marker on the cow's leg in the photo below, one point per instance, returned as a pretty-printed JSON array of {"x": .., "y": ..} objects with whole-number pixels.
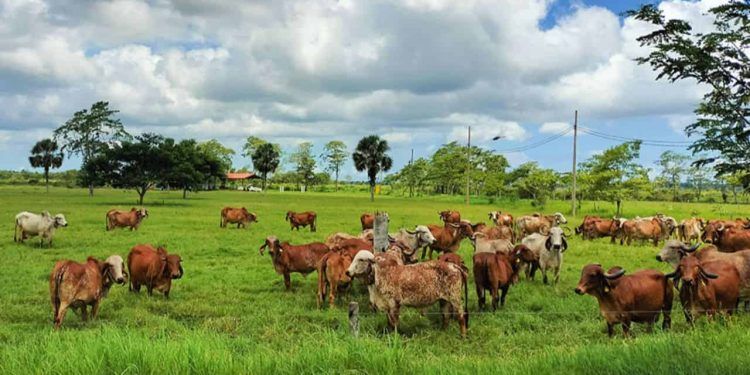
[
  {"x": 287, "y": 281},
  {"x": 626, "y": 328},
  {"x": 610, "y": 329},
  {"x": 84, "y": 313},
  {"x": 393, "y": 316},
  {"x": 61, "y": 314},
  {"x": 557, "y": 275},
  {"x": 95, "y": 309},
  {"x": 480, "y": 297},
  {"x": 544, "y": 275},
  {"x": 534, "y": 268},
  {"x": 166, "y": 294},
  {"x": 150, "y": 289},
  {"x": 424, "y": 252},
  {"x": 495, "y": 297},
  {"x": 445, "y": 308},
  {"x": 505, "y": 293},
  {"x": 332, "y": 294}
]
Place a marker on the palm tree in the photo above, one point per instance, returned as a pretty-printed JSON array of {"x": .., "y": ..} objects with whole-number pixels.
[
  {"x": 370, "y": 155},
  {"x": 45, "y": 155}
]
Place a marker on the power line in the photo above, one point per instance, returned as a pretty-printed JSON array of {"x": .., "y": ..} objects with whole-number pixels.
[
  {"x": 646, "y": 142},
  {"x": 538, "y": 143}
]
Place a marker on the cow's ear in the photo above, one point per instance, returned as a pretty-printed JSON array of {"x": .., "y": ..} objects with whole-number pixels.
[
  {"x": 548, "y": 243},
  {"x": 564, "y": 244}
]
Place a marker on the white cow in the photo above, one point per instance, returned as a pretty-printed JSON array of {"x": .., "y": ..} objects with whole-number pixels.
[
  {"x": 30, "y": 224},
  {"x": 550, "y": 249}
]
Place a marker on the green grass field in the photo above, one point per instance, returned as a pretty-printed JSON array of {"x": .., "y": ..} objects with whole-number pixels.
[{"x": 230, "y": 313}]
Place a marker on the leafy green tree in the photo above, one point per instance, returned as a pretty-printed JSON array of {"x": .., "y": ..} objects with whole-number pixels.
[
  {"x": 448, "y": 168},
  {"x": 605, "y": 174},
  {"x": 334, "y": 158},
  {"x": 718, "y": 60},
  {"x": 191, "y": 165},
  {"x": 139, "y": 164},
  {"x": 251, "y": 145},
  {"x": 371, "y": 155},
  {"x": 89, "y": 132},
  {"x": 673, "y": 167},
  {"x": 218, "y": 151},
  {"x": 415, "y": 175},
  {"x": 266, "y": 160},
  {"x": 536, "y": 183},
  {"x": 45, "y": 155},
  {"x": 304, "y": 163},
  {"x": 699, "y": 177}
]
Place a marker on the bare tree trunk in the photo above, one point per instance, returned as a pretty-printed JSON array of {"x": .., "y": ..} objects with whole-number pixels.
[
  {"x": 372, "y": 191},
  {"x": 46, "y": 178},
  {"x": 91, "y": 189}
]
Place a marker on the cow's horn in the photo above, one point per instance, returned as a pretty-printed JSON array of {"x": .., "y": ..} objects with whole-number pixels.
[
  {"x": 691, "y": 249},
  {"x": 720, "y": 228},
  {"x": 615, "y": 275}
]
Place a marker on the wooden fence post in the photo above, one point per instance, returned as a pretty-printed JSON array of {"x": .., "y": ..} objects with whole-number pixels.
[
  {"x": 354, "y": 318},
  {"x": 380, "y": 232}
]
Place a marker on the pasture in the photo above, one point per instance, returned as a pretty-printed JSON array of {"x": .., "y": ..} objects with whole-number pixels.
[{"x": 230, "y": 313}]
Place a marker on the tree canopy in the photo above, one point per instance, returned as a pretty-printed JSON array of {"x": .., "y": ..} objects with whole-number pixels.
[
  {"x": 371, "y": 155},
  {"x": 45, "y": 155}
]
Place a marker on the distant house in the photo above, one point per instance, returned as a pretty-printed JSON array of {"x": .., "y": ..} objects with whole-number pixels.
[{"x": 241, "y": 176}]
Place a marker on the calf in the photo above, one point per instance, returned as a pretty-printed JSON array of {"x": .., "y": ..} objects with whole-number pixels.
[
  {"x": 154, "y": 268},
  {"x": 288, "y": 258},
  {"x": 450, "y": 216},
  {"x": 494, "y": 271},
  {"x": 125, "y": 219},
  {"x": 332, "y": 275},
  {"x": 550, "y": 250},
  {"x": 301, "y": 219},
  {"x": 367, "y": 220},
  {"x": 706, "y": 288},
  {"x": 419, "y": 285},
  {"x": 29, "y": 225},
  {"x": 639, "y": 297},
  {"x": 448, "y": 237},
  {"x": 528, "y": 260},
  {"x": 239, "y": 216},
  {"x": 77, "y": 286}
]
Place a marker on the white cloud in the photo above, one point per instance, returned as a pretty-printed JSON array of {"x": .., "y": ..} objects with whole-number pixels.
[{"x": 554, "y": 127}]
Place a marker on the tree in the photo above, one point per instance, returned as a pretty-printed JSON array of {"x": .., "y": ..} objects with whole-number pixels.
[
  {"x": 219, "y": 152},
  {"x": 718, "y": 60},
  {"x": 304, "y": 163},
  {"x": 673, "y": 166},
  {"x": 371, "y": 156},
  {"x": 536, "y": 183},
  {"x": 605, "y": 174},
  {"x": 266, "y": 160},
  {"x": 89, "y": 132},
  {"x": 251, "y": 145},
  {"x": 189, "y": 164},
  {"x": 140, "y": 164},
  {"x": 334, "y": 158},
  {"x": 698, "y": 177},
  {"x": 44, "y": 154}
]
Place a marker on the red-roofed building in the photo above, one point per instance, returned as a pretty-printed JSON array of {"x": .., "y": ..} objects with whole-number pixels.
[{"x": 239, "y": 176}]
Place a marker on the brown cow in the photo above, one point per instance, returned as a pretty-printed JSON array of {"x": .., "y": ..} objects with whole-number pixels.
[
  {"x": 450, "y": 216},
  {"x": 334, "y": 239},
  {"x": 732, "y": 239},
  {"x": 367, "y": 220},
  {"x": 643, "y": 229},
  {"x": 239, "y": 216},
  {"x": 448, "y": 237},
  {"x": 528, "y": 260},
  {"x": 639, "y": 297},
  {"x": 154, "y": 268},
  {"x": 332, "y": 275},
  {"x": 301, "y": 219},
  {"x": 596, "y": 228},
  {"x": 353, "y": 245},
  {"x": 288, "y": 258},
  {"x": 452, "y": 258},
  {"x": 712, "y": 229},
  {"x": 494, "y": 271},
  {"x": 501, "y": 219},
  {"x": 706, "y": 288},
  {"x": 586, "y": 219},
  {"x": 122, "y": 219},
  {"x": 77, "y": 286},
  {"x": 537, "y": 223}
]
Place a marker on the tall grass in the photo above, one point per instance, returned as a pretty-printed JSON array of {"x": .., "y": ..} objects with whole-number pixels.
[{"x": 230, "y": 313}]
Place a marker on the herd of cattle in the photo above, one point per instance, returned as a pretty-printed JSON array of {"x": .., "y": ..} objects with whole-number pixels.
[{"x": 710, "y": 281}]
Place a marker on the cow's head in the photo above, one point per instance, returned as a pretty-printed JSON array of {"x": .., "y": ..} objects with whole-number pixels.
[
  {"x": 713, "y": 232},
  {"x": 465, "y": 228},
  {"x": 115, "y": 269},
  {"x": 289, "y": 215},
  {"x": 556, "y": 240},
  {"x": 444, "y": 215},
  {"x": 252, "y": 217},
  {"x": 142, "y": 213},
  {"x": 675, "y": 250},
  {"x": 424, "y": 236},
  {"x": 361, "y": 265},
  {"x": 60, "y": 221},
  {"x": 171, "y": 264},
  {"x": 690, "y": 272},
  {"x": 494, "y": 216},
  {"x": 478, "y": 227},
  {"x": 560, "y": 219},
  {"x": 595, "y": 281},
  {"x": 273, "y": 244}
]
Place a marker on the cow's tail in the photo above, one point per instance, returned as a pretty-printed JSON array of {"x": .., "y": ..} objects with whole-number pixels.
[{"x": 56, "y": 301}]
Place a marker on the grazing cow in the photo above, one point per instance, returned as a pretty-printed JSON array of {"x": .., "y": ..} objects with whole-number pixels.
[
  {"x": 706, "y": 288},
  {"x": 334, "y": 239},
  {"x": 239, "y": 216},
  {"x": 494, "y": 271},
  {"x": 651, "y": 229},
  {"x": 450, "y": 216},
  {"x": 301, "y": 219},
  {"x": 596, "y": 228},
  {"x": 332, "y": 275},
  {"x": 550, "y": 249},
  {"x": 419, "y": 285},
  {"x": 528, "y": 260},
  {"x": 29, "y": 225},
  {"x": 586, "y": 220},
  {"x": 674, "y": 251},
  {"x": 154, "y": 268},
  {"x": 689, "y": 230},
  {"x": 448, "y": 237},
  {"x": 367, "y": 220},
  {"x": 713, "y": 228},
  {"x": 538, "y": 223},
  {"x": 482, "y": 244},
  {"x": 501, "y": 219},
  {"x": 125, "y": 219},
  {"x": 639, "y": 297},
  {"x": 288, "y": 258},
  {"x": 77, "y": 286}
]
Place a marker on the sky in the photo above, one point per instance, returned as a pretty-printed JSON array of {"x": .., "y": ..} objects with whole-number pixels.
[{"x": 415, "y": 72}]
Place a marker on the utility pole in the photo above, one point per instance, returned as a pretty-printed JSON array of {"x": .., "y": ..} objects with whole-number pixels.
[
  {"x": 468, "y": 165},
  {"x": 575, "y": 147}
]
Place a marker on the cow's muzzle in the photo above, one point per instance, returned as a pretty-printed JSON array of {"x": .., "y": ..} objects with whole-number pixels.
[
  {"x": 659, "y": 259},
  {"x": 579, "y": 291},
  {"x": 348, "y": 274}
]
